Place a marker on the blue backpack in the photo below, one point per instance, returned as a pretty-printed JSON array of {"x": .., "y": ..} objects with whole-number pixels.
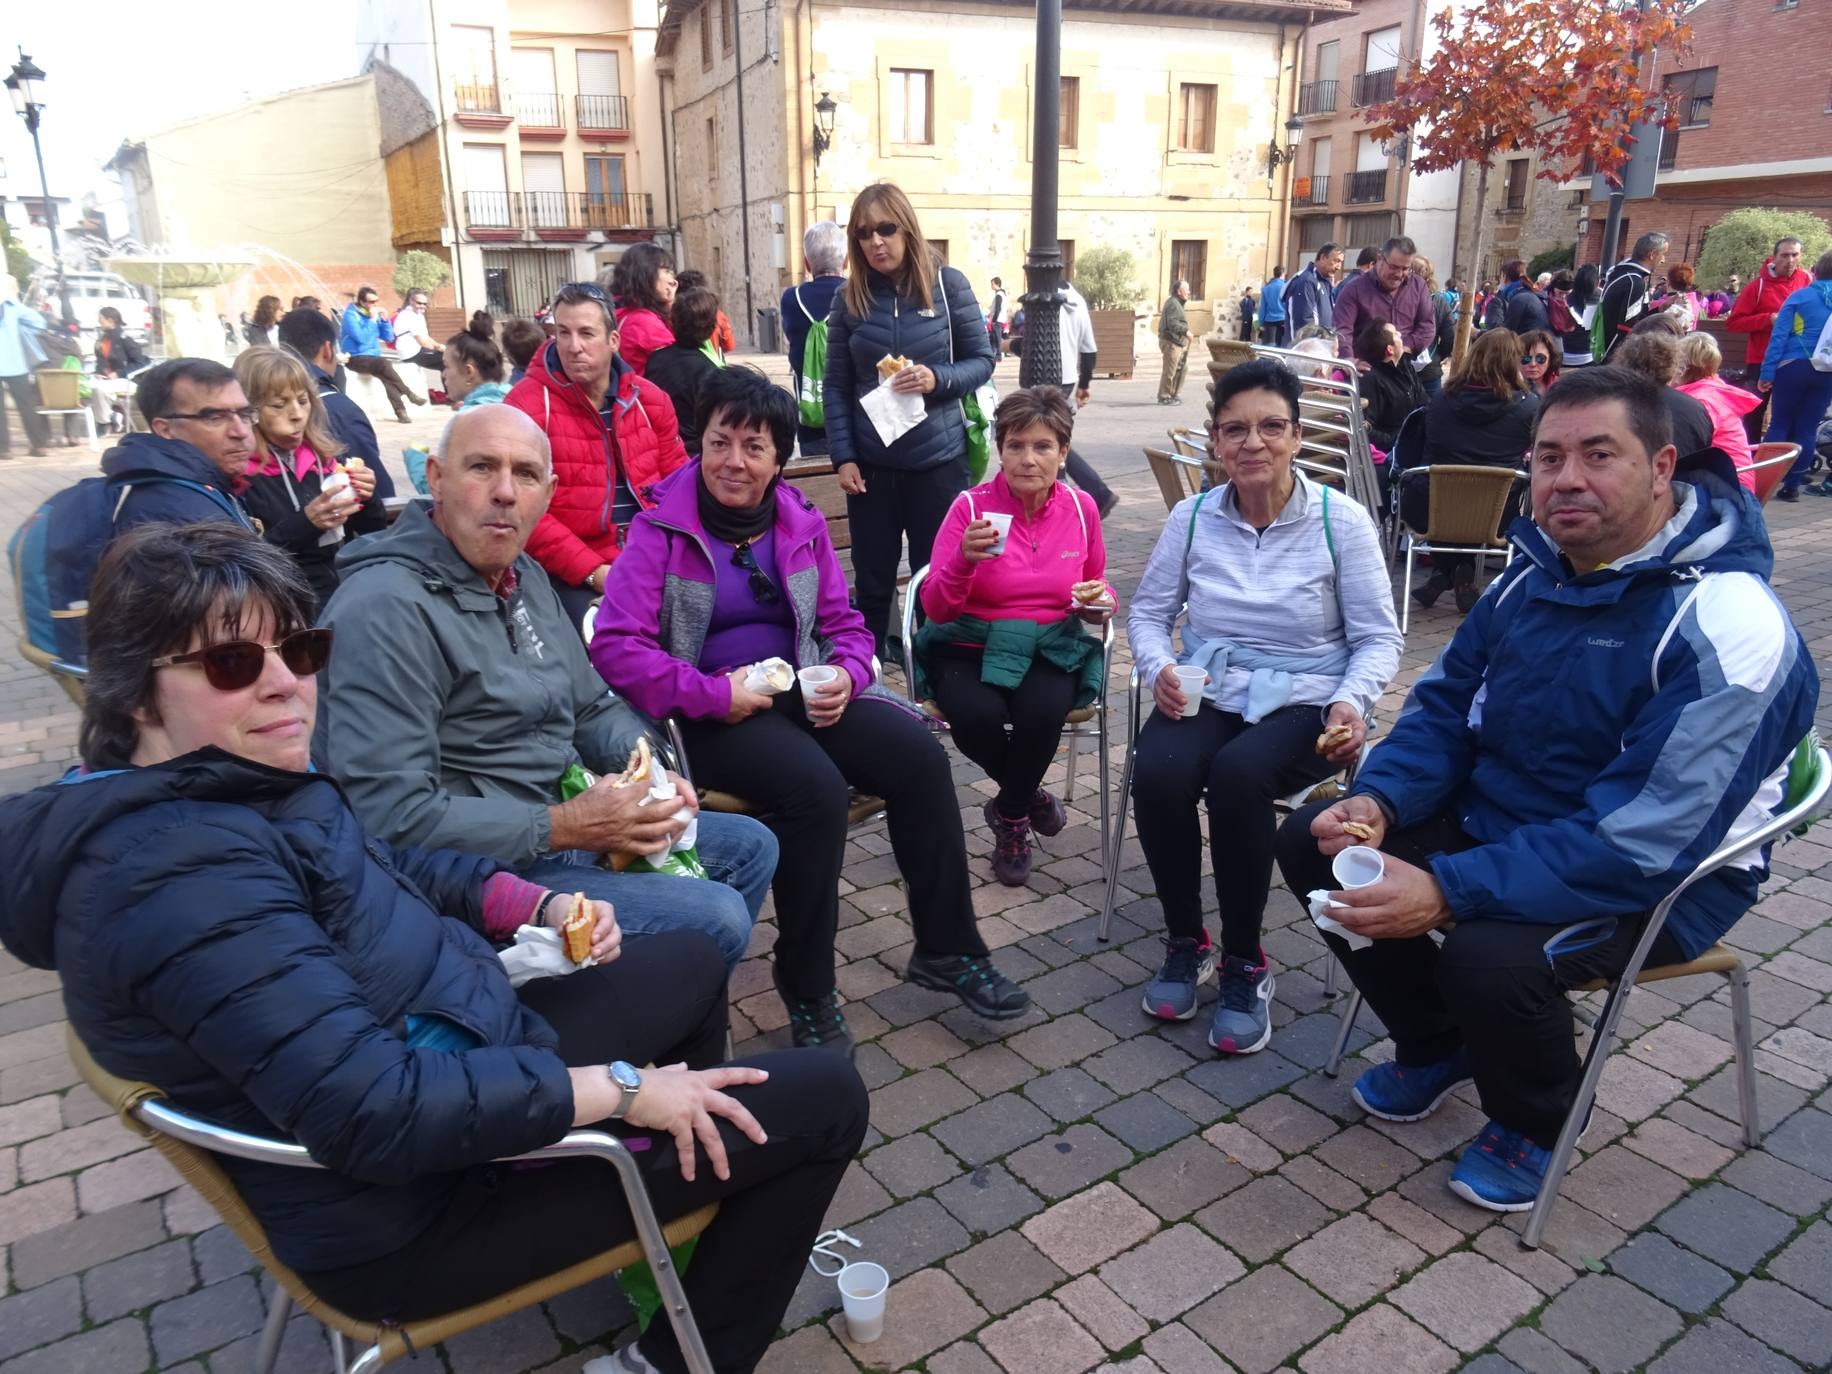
[{"x": 55, "y": 552}]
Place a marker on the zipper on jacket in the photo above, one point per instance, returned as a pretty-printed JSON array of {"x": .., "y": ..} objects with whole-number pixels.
[{"x": 502, "y": 611}]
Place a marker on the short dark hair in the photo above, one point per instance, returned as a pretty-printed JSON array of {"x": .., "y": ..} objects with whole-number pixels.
[
  {"x": 694, "y": 315},
  {"x": 365, "y": 290},
  {"x": 1367, "y": 257},
  {"x": 154, "y": 394},
  {"x": 585, "y": 293},
  {"x": 1327, "y": 249},
  {"x": 692, "y": 277},
  {"x": 1262, "y": 374},
  {"x": 1399, "y": 243},
  {"x": 1371, "y": 340},
  {"x": 156, "y": 587},
  {"x": 1513, "y": 269},
  {"x": 307, "y": 331},
  {"x": 1785, "y": 238},
  {"x": 1033, "y": 405},
  {"x": 520, "y": 340},
  {"x": 997, "y": 282},
  {"x": 744, "y": 396},
  {"x": 1654, "y": 355},
  {"x": 1277, "y": 272},
  {"x": 633, "y": 279},
  {"x": 108, "y": 312},
  {"x": 1648, "y": 420}
]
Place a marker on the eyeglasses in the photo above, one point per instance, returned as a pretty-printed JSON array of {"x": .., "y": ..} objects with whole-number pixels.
[
  {"x": 216, "y": 418},
  {"x": 884, "y": 230},
  {"x": 761, "y": 586},
  {"x": 237, "y": 663},
  {"x": 1234, "y": 434},
  {"x": 1530, "y": 358}
]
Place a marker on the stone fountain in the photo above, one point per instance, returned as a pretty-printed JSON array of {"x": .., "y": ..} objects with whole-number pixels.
[{"x": 186, "y": 285}]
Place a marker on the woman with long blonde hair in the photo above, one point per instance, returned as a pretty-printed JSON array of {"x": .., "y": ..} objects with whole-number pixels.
[
  {"x": 295, "y": 459},
  {"x": 900, "y": 303},
  {"x": 1431, "y": 376}
]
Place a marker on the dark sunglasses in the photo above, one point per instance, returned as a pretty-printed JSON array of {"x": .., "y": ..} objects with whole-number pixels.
[
  {"x": 1534, "y": 358},
  {"x": 761, "y": 586},
  {"x": 237, "y": 663},
  {"x": 885, "y": 230},
  {"x": 580, "y": 288}
]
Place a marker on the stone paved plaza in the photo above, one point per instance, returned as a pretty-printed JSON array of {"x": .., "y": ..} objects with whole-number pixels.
[{"x": 1083, "y": 1188}]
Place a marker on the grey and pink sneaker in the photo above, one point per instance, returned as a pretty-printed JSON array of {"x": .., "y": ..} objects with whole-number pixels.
[
  {"x": 1188, "y": 963},
  {"x": 1243, "y": 1015}
]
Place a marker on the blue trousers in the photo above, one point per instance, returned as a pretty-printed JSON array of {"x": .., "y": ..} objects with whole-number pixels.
[
  {"x": 739, "y": 855},
  {"x": 1795, "y": 407}
]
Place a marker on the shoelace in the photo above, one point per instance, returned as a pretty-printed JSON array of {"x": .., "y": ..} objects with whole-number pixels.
[
  {"x": 977, "y": 970},
  {"x": 1181, "y": 961},
  {"x": 1237, "y": 984},
  {"x": 1508, "y": 1147},
  {"x": 1009, "y": 842},
  {"x": 821, "y": 1018}
]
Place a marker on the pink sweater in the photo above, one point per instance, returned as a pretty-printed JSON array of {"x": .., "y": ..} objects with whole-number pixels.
[
  {"x": 1726, "y": 404},
  {"x": 1044, "y": 556}
]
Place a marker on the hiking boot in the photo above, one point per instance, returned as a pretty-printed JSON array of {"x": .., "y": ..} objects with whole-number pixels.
[
  {"x": 972, "y": 978},
  {"x": 815, "y": 1023},
  {"x": 1465, "y": 589},
  {"x": 1011, "y": 847},
  {"x": 1188, "y": 963},
  {"x": 1047, "y": 816},
  {"x": 1243, "y": 1017},
  {"x": 1396, "y": 1092},
  {"x": 1426, "y": 595}
]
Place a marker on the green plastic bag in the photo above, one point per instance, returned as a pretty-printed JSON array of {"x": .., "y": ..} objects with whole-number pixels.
[
  {"x": 639, "y": 1286},
  {"x": 682, "y": 863},
  {"x": 976, "y": 408}
]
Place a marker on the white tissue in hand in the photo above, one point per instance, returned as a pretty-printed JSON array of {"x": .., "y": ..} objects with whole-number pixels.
[
  {"x": 538, "y": 952},
  {"x": 893, "y": 413},
  {"x": 769, "y": 677},
  {"x": 1320, "y": 908}
]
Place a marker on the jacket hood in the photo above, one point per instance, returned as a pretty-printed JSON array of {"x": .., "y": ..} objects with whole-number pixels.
[
  {"x": 1478, "y": 406},
  {"x": 1718, "y": 528},
  {"x": 142, "y": 452},
  {"x": 420, "y": 546},
  {"x": 44, "y": 828}
]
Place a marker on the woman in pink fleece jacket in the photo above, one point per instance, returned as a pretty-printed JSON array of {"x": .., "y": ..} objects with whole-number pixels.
[
  {"x": 1726, "y": 404},
  {"x": 1004, "y": 655}
]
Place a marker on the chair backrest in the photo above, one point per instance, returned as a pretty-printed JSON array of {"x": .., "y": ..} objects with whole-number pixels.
[
  {"x": 1189, "y": 442},
  {"x": 1467, "y": 502},
  {"x": 1769, "y": 464},
  {"x": 60, "y": 389},
  {"x": 1177, "y": 477},
  {"x": 816, "y": 479}
]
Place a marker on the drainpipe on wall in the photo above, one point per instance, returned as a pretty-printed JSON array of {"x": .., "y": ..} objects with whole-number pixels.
[
  {"x": 1278, "y": 127},
  {"x": 445, "y": 159},
  {"x": 744, "y": 176}
]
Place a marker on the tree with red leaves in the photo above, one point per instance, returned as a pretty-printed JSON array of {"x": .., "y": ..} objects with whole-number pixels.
[{"x": 1562, "y": 78}]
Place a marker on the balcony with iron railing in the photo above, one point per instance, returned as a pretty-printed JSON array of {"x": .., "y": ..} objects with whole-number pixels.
[
  {"x": 1310, "y": 192},
  {"x": 539, "y": 114},
  {"x": 498, "y": 215},
  {"x": 603, "y": 116},
  {"x": 1317, "y": 97},
  {"x": 1367, "y": 188},
  {"x": 1372, "y": 87},
  {"x": 479, "y": 105}
]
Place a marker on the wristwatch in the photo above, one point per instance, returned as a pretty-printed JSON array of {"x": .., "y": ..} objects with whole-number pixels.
[{"x": 629, "y": 1083}]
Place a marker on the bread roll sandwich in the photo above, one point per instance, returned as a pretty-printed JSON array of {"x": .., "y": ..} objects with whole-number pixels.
[
  {"x": 577, "y": 931},
  {"x": 1358, "y": 830},
  {"x": 637, "y": 769},
  {"x": 890, "y": 365},
  {"x": 1089, "y": 592},
  {"x": 1334, "y": 738}
]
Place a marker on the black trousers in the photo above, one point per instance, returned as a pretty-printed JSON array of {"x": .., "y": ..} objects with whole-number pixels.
[
  {"x": 25, "y": 400},
  {"x": 798, "y": 779},
  {"x": 383, "y": 371},
  {"x": 576, "y": 601},
  {"x": 1010, "y": 732},
  {"x": 897, "y": 504},
  {"x": 1241, "y": 770},
  {"x": 1496, "y": 986},
  {"x": 662, "y": 1002}
]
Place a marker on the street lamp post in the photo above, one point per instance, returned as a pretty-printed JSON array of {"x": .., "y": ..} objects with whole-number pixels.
[
  {"x": 824, "y": 110},
  {"x": 1042, "y": 359},
  {"x": 26, "y": 86}
]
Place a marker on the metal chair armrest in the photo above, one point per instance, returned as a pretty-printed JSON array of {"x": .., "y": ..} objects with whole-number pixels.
[{"x": 678, "y": 743}]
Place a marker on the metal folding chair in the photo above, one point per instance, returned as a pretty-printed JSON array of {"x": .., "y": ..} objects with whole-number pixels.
[
  {"x": 1804, "y": 799},
  {"x": 1467, "y": 502},
  {"x": 1080, "y": 722}
]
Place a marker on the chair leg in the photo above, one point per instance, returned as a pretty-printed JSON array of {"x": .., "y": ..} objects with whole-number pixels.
[
  {"x": 1068, "y": 786},
  {"x": 1744, "y": 1032},
  {"x": 340, "y": 1353},
  {"x": 1601, "y": 1037},
  {"x": 1329, "y": 975},
  {"x": 1106, "y": 778},
  {"x": 1350, "y": 1010},
  {"x": 366, "y": 1363},
  {"x": 1405, "y": 592},
  {"x": 1113, "y": 849},
  {"x": 269, "y": 1350}
]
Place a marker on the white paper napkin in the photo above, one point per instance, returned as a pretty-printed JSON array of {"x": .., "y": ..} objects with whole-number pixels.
[
  {"x": 1320, "y": 908},
  {"x": 894, "y": 413}
]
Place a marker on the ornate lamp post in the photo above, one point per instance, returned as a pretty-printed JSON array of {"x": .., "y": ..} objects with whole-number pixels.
[
  {"x": 1042, "y": 360},
  {"x": 25, "y": 84},
  {"x": 824, "y": 110}
]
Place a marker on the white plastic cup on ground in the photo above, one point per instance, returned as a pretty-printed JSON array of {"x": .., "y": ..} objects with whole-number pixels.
[
  {"x": 1358, "y": 866},
  {"x": 815, "y": 678},
  {"x": 862, "y": 1288},
  {"x": 1001, "y": 523},
  {"x": 1191, "y": 680}
]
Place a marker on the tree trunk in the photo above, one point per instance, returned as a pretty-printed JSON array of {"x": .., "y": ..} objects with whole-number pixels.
[{"x": 1466, "y": 317}]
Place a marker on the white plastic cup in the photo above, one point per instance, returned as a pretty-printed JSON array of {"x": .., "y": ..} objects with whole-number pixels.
[
  {"x": 1001, "y": 523},
  {"x": 815, "y": 678},
  {"x": 1358, "y": 866},
  {"x": 1191, "y": 680},
  {"x": 862, "y": 1288}
]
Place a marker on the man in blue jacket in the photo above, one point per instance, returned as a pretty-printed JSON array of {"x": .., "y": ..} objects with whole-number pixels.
[
  {"x": 187, "y": 468},
  {"x": 364, "y": 333},
  {"x": 1623, "y": 697}
]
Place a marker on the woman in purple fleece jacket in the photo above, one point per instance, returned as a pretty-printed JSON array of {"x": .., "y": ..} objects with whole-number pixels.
[{"x": 731, "y": 567}]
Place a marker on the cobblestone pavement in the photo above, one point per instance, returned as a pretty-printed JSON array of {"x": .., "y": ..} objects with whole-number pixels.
[{"x": 1083, "y": 1189}]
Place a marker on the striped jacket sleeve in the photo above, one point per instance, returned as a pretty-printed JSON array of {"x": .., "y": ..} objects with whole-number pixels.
[{"x": 1735, "y": 692}]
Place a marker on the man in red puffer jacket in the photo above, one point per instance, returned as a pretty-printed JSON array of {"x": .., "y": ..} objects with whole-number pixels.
[
  {"x": 614, "y": 436},
  {"x": 1753, "y": 313}
]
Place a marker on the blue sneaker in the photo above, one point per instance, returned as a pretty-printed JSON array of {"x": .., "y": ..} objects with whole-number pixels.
[
  {"x": 1243, "y": 1016},
  {"x": 1394, "y": 1092},
  {"x": 1171, "y": 995},
  {"x": 1501, "y": 1170}
]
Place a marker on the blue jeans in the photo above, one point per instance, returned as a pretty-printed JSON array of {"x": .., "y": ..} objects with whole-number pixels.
[
  {"x": 739, "y": 855},
  {"x": 1795, "y": 407}
]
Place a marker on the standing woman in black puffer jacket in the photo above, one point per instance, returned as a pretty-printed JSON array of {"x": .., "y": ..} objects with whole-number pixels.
[{"x": 900, "y": 302}]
